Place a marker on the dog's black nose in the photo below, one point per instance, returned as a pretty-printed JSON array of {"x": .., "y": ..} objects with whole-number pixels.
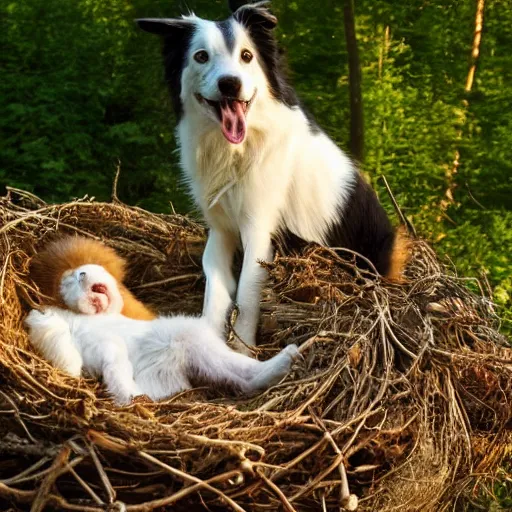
[{"x": 230, "y": 86}]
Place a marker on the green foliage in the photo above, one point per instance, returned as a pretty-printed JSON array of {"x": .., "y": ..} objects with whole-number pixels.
[
  {"x": 494, "y": 495},
  {"x": 82, "y": 90}
]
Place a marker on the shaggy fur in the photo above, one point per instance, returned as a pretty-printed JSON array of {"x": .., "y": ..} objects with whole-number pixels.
[
  {"x": 256, "y": 163},
  {"x": 156, "y": 358},
  {"x": 63, "y": 258}
]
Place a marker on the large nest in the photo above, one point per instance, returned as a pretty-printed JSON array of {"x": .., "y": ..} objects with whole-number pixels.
[{"x": 403, "y": 397}]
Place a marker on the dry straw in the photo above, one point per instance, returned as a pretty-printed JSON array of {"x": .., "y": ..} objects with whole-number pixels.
[{"x": 402, "y": 401}]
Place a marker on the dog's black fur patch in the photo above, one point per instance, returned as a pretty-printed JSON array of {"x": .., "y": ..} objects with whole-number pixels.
[
  {"x": 174, "y": 51},
  {"x": 364, "y": 227},
  {"x": 272, "y": 58},
  {"x": 273, "y": 62},
  {"x": 227, "y": 33},
  {"x": 287, "y": 242},
  {"x": 176, "y": 34}
]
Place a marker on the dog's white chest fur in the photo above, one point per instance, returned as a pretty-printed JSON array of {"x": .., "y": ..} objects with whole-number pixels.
[{"x": 281, "y": 176}]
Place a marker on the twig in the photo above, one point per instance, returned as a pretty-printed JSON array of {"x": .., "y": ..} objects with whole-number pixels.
[
  {"x": 227, "y": 443},
  {"x": 175, "y": 279},
  {"x": 87, "y": 487},
  {"x": 306, "y": 489},
  {"x": 20, "y": 495},
  {"x": 284, "y": 500},
  {"x": 115, "y": 198},
  {"x": 44, "y": 489},
  {"x": 347, "y": 501},
  {"x": 111, "y": 493},
  {"x": 18, "y": 416},
  {"x": 190, "y": 478},
  {"x": 405, "y": 221},
  {"x": 119, "y": 446},
  {"x": 31, "y": 469},
  {"x": 170, "y": 500},
  {"x": 306, "y": 453}
]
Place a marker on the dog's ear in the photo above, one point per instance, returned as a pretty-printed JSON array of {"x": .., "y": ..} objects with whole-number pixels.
[
  {"x": 253, "y": 15},
  {"x": 164, "y": 26},
  {"x": 234, "y": 5}
]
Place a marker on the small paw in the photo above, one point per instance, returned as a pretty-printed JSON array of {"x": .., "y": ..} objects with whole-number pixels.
[
  {"x": 36, "y": 313},
  {"x": 122, "y": 400},
  {"x": 73, "y": 366},
  {"x": 127, "y": 396},
  {"x": 293, "y": 351},
  {"x": 37, "y": 317}
]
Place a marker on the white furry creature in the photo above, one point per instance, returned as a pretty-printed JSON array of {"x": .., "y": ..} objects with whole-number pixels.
[
  {"x": 256, "y": 163},
  {"x": 156, "y": 358}
]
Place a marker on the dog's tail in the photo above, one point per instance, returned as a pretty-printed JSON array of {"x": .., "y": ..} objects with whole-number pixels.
[{"x": 400, "y": 255}]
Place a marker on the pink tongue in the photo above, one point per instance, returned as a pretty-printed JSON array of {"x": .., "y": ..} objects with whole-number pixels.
[{"x": 233, "y": 121}]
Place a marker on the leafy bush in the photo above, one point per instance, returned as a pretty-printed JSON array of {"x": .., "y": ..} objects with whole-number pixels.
[{"x": 82, "y": 91}]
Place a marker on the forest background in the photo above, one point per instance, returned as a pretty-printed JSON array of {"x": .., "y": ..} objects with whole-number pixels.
[{"x": 82, "y": 93}]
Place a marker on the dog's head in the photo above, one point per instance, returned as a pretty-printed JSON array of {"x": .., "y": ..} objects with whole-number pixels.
[
  {"x": 90, "y": 289},
  {"x": 222, "y": 70}
]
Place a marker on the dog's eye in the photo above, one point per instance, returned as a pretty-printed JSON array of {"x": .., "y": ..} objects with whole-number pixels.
[
  {"x": 201, "y": 56},
  {"x": 246, "y": 56}
]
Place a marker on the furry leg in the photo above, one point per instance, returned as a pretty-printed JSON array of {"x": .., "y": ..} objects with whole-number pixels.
[
  {"x": 220, "y": 283},
  {"x": 51, "y": 337},
  {"x": 213, "y": 361},
  {"x": 272, "y": 371},
  {"x": 117, "y": 371},
  {"x": 161, "y": 370},
  {"x": 257, "y": 247}
]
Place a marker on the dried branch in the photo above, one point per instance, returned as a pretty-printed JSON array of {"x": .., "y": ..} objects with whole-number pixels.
[{"x": 413, "y": 379}]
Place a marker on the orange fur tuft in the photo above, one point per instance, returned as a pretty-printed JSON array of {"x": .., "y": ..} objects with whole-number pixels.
[
  {"x": 400, "y": 255},
  {"x": 47, "y": 267},
  {"x": 134, "y": 308}
]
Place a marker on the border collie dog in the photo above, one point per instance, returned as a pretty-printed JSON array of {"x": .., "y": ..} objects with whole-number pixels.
[{"x": 257, "y": 165}]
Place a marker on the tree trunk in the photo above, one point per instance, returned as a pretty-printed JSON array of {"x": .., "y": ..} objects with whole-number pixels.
[
  {"x": 475, "y": 52},
  {"x": 383, "y": 55},
  {"x": 356, "y": 102},
  {"x": 477, "y": 38}
]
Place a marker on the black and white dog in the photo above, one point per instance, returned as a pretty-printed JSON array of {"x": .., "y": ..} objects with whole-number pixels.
[{"x": 256, "y": 163}]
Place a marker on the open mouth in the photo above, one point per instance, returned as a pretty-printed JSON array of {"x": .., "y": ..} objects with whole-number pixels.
[
  {"x": 99, "y": 288},
  {"x": 231, "y": 113},
  {"x": 101, "y": 299}
]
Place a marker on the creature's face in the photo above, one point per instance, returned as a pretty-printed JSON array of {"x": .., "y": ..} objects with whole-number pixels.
[
  {"x": 90, "y": 290},
  {"x": 222, "y": 76},
  {"x": 220, "y": 71}
]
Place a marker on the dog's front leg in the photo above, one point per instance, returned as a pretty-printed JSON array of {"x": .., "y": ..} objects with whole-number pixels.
[
  {"x": 257, "y": 247},
  {"x": 220, "y": 283}
]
